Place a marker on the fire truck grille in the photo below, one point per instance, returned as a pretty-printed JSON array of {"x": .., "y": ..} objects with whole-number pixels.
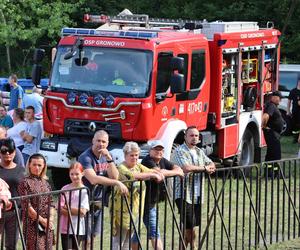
[{"x": 88, "y": 128}]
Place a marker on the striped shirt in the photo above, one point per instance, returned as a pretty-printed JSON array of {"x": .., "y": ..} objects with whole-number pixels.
[{"x": 183, "y": 156}]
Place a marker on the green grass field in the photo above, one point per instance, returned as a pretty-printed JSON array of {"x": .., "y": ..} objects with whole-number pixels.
[{"x": 288, "y": 147}]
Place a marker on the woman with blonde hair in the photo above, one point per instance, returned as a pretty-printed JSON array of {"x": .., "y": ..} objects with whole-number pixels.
[
  {"x": 38, "y": 213},
  {"x": 130, "y": 170}
]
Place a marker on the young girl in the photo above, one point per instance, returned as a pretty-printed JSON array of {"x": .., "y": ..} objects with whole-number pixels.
[{"x": 78, "y": 202}]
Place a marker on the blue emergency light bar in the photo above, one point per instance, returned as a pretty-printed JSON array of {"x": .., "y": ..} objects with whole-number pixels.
[{"x": 108, "y": 33}]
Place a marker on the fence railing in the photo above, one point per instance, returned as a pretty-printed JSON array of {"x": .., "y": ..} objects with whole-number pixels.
[{"x": 239, "y": 207}]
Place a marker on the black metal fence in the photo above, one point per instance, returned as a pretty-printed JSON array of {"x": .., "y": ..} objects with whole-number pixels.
[{"x": 240, "y": 207}]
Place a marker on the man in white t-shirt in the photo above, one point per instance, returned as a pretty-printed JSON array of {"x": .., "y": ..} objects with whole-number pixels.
[{"x": 19, "y": 125}]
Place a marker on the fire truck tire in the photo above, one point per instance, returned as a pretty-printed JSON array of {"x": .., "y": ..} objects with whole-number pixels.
[
  {"x": 247, "y": 153},
  {"x": 59, "y": 177}
]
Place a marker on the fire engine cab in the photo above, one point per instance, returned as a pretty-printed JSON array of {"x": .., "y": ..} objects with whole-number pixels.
[{"x": 141, "y": 78}]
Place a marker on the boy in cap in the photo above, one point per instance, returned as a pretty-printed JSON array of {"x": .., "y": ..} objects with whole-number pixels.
[{"x": 155, "y": 160}]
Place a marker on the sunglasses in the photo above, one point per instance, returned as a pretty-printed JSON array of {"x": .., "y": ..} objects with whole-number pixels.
[{"x": 4, "y": 151}]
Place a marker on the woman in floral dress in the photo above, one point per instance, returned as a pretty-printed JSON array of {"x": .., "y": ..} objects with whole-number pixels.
[{"x": 38, "y": 213}]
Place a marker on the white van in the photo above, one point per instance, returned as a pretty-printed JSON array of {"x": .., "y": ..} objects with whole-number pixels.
[{"x": 288, "y": 77}]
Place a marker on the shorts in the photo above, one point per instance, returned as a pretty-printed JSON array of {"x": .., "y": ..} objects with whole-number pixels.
[
  {"x": 95, "y": 225},
  {"x": 149, "y": 220},
  {"x": 68, "y": 241},
  {"x": 192, "y": 213}
]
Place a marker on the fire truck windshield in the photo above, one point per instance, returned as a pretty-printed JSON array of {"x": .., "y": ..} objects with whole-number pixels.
[{"x": 124, "y": 72}]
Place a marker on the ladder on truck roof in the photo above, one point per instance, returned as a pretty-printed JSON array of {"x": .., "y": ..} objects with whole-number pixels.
[
  {"x": 144, "y": 21},
  {"x": 127, "y": 19}
]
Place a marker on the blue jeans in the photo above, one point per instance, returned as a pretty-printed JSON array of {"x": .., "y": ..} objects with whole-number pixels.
[
  {"x": 149, "y": 219},
  {"x": 25, "y": 157},
  {"x": 96, "y": 228}
]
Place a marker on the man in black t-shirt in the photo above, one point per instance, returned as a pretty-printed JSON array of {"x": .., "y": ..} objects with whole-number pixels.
[
  {"x": 272, "y": 123},
  {"x": 99, "y": 169},
  {"x": 294, "y": 99},
  {"x": 155, "y": 160}
]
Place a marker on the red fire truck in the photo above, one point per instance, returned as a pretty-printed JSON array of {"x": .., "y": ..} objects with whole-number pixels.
[{"x": 141, "y": 79}]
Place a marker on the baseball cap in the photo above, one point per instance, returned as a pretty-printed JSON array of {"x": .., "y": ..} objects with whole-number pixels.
[
  {"x": 277, "y": 93},
  {"x": 156, "y": 143}
]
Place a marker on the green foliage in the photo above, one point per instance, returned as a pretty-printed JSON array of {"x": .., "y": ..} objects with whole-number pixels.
[
  {"x": 30, "y": 23},
  {"x": 27, "y": 24}
]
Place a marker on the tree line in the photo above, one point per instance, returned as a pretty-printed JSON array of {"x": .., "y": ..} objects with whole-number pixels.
[{"x": 28, "y": 24}]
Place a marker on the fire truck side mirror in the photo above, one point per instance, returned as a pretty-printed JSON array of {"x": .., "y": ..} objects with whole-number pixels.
[
  {"x": 36, "y": 74},
  {"x": 81, "y": 61},
  {"x": 38, "y": 55},
  {"x": 177, "y": 63},
  {"x": 177, "y": 83},
  {"x": 71, "y": 53}
]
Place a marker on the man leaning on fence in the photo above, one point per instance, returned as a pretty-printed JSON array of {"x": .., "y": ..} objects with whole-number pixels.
[
  {"x": 155, "y": 160},
  {"x": 99, "y": 169},
  {"x": 192, "y": 160}
]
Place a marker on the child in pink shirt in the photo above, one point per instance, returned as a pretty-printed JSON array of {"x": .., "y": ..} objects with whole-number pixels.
[{"x": 78, "y": 204}]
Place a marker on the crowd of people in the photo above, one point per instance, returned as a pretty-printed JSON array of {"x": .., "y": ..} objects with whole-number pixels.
[
  {"x": 100, "y": 169},
  {"x": 23, "y": 172},
  {"x": 95, "y": 167}
]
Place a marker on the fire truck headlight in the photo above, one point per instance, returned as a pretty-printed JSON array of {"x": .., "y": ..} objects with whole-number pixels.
[
  {"x": 110, "y": 100},
  {"x": 83, "y": 98},
  {"x": 98, "y": 100},
  {"x": 71, "y": 97}
]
